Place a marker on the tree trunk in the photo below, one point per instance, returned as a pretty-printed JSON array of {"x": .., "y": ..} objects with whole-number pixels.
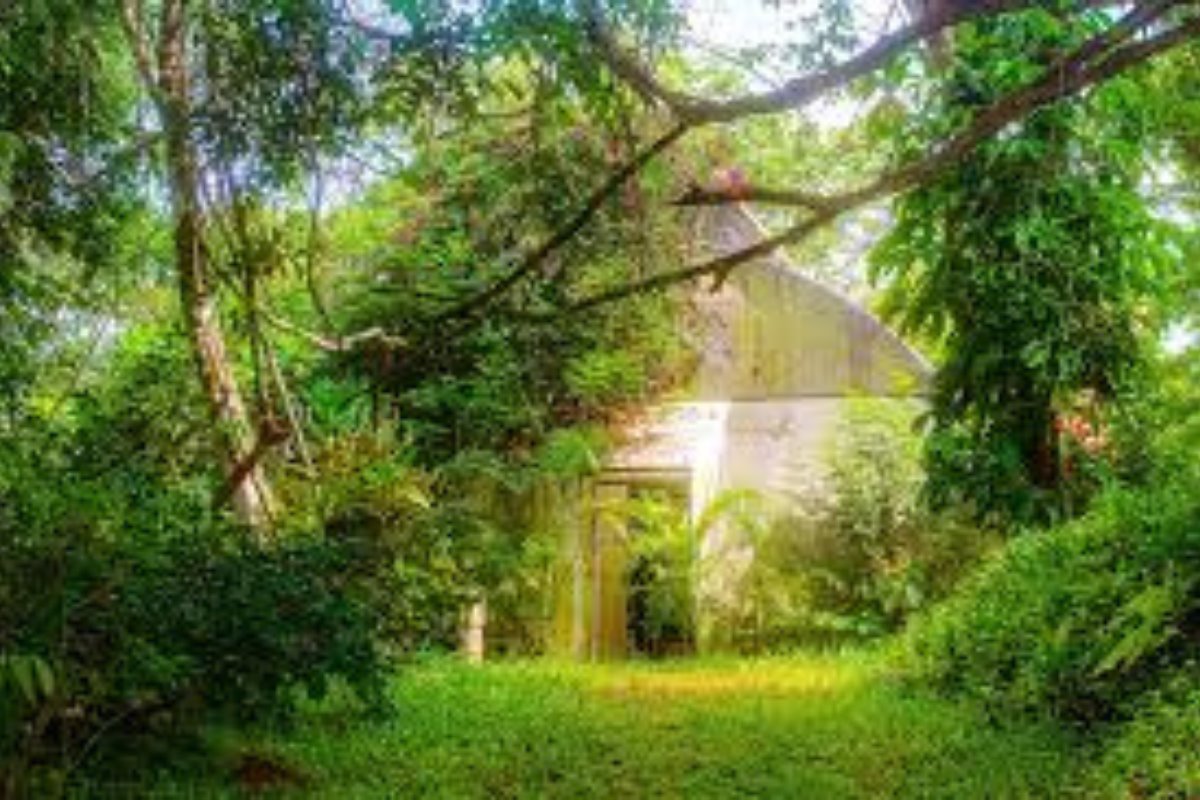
[{"x": 250, "y": 492}]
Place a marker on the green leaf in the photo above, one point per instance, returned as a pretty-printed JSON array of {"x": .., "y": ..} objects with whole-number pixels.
[{"x": 22, "y": 671}]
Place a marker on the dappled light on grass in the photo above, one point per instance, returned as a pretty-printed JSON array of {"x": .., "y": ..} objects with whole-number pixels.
[
  {"x": 764, "y": 678},
  {"x": 824, "y": 727}
]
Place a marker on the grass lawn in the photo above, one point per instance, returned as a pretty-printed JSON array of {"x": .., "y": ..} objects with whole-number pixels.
[{"x": 810, "y": 727}]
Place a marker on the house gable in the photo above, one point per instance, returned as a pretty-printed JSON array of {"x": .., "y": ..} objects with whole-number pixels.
[{"x": 772, "y": 333}]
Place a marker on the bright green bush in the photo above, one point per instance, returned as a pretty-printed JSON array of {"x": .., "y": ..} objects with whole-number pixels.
[{"x": 1078, "y": 621}]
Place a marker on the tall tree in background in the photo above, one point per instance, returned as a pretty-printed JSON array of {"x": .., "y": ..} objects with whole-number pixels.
[{"x": 243, "y": 93}]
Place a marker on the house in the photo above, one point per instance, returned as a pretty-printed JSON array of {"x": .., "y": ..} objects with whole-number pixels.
[{"x": 779, "y": 355}]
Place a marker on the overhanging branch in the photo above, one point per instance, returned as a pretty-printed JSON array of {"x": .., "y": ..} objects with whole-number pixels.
[
  {"x": 761, "y": 195},
  {"x": 799, "y": 91},
  {"x": 339, "y": 344},
  {"x": 1097, "y": 60},
  {"x": 536, "y": 258}
]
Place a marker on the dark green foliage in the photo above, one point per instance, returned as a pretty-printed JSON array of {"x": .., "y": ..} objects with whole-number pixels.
[
  {"x": 145, "y": 607},
  {"x": 147, "y": 636},
  {"x": 64, "y": 150},
  {"x": 1078, "y": 621},
  {"x": 65, "y": 172},
  {"x": 257, "y": 624},
  {"x": 501, "y": 376},
  {"x": 1096, "y": 621},
  {"x": 1154, "y": 756},
  {"x": 419, "y": 551},
  {"x": 1031, "y": 265},
  {"x": 488, "y": 403},
  {"x": 306, "y": 95}
]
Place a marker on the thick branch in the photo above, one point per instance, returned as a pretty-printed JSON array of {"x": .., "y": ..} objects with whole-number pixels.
[
  {"x": 717, "y": 267},
  {"x": 133, "y": 22},
  {"x": 1067, "y": 77},
  {"x": 797, "y": 92},
  {"x": 694, "y": 111},
  {"x": 339, "y": 344},
  {"x": 710, "y": 196}
]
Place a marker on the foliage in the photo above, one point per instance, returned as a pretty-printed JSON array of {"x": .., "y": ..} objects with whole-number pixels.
[
  {"x": 502, "y": 378},
  {"x": 1154, "y": 756},
  {"x": 743, "y": 591},
  {"x": 65, "y": 192},
  {"x": 854, "y": 552},
  {"x": 131, "y": 607},
  {"x": 1034, "y": 262},
  {"x": 139, "y": 639},
  {"x": 485, "y": 404},
  {"x": 662, "y": 575},
  {"x": 422, "y": 545},
  {"x": 1095, "y": 621},
  {"x": 131, "y": 603},
  {"x": 1078, "y": 621}
]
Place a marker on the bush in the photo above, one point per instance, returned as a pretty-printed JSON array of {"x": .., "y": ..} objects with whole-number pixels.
[
  {"x": 851, "y": 555},
  {"x": 426, "y": 544},
  {"x": 127, "y": 605},
  {"x": 137, "y": 634},
  {"x": 662, "y": 572},
  {"x": 1156, "y": 756},
  {"x": 1075, "y": 622}
]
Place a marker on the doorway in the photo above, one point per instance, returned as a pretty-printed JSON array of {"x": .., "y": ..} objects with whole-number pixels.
[{"x": 659, "y": 576}]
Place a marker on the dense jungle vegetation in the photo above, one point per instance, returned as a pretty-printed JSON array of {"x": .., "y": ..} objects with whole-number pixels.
[{"x": 304, "y": 303}]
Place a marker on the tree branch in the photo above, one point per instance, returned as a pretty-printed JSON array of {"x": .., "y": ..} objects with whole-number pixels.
[
  {"x": 534, "y": 260},
  {"x": 1070, "y": 75},
  {"x": 797, "y": 92},
  {"x": 710, "y": 196},
  {"x": 338, "y": 344},
  {"x": 694, "y": 111},
  {"x": 133, "y": 23},
  {"x": 718, "y": 267}
]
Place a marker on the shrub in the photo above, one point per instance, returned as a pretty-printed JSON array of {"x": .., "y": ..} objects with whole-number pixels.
[
  {"x": 426, "y": 544},
  {"x": 128, "y": 605},
  {"x": 1156, "y": 756},
  {"x": 1077, "y": 621},
  {"x": 852, "y": 554},
  {"x": 662, "y": 572},
  {"x": 141, "y": 634}
]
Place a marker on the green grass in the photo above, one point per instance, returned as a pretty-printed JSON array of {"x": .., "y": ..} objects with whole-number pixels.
[{"x": 811, "y": 727}]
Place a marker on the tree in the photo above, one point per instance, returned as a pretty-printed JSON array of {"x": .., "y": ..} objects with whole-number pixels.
[
  {"x": 65, "y": 192},
  {"x": 209, "y": 68},
  {"x": 1119, "y": 42},
  {"x": 248, "y": 97},
  {"x": 1034, "y": 263}
]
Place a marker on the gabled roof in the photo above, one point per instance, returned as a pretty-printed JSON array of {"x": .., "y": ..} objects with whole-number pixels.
[{"x": 772, "y": 333}]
